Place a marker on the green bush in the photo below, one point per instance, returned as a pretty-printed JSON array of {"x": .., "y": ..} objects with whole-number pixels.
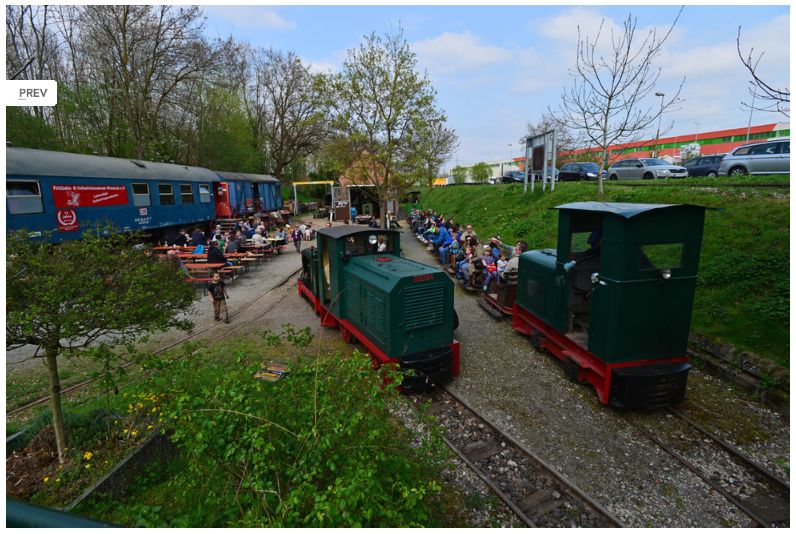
[{"x": 318, "y": 448}]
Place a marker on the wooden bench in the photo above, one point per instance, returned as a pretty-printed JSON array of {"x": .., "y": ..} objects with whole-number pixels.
[{"x": 504, "y": 293}]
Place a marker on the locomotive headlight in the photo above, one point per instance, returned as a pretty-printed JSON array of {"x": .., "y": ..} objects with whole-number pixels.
[
  {"x": 372, "y": 239},
  {"x": 666, "y": 274}
]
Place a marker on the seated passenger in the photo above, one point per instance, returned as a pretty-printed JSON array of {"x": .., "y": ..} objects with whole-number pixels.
[
  {"x": 382, "y": 244},
  {"x": 488, "y": 266},
  {"x": 257, "y": 238},
  {"x": 214, "y": 254},
  {"x": 514, "y": 254},
  {"x": 447, "y": 250}
]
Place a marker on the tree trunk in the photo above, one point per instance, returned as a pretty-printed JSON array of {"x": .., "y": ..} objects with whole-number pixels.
[{"x": 55, "y": 402}]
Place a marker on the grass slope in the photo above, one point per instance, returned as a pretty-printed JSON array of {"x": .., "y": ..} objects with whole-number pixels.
[{"x": 743, "y": 290}]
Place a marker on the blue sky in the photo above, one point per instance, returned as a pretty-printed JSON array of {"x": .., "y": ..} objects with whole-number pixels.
[{"x": 496, "y": 68}]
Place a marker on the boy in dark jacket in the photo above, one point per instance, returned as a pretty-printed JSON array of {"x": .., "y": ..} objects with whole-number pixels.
[{"x": 218, "y": 295}]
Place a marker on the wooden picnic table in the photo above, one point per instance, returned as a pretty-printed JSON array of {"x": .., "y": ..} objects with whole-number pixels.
[{"x": 203, "y": 266}]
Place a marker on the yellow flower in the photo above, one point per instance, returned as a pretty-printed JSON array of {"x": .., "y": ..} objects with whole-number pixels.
[
  {"x": 87, "y": 455},
  {"x": 88, "y": 466},
  {"x": 154, "y": 409},
  {"x": 134, "y": 433},
  {"x": 57, "y": 479},
  {"x": 149, "y": 427},
  {"x": 125, "y": 431},
  {"x": 46, "y": 479}
]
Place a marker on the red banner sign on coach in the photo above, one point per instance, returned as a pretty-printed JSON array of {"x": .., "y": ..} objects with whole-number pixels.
[{"x": 87, "y": 196}]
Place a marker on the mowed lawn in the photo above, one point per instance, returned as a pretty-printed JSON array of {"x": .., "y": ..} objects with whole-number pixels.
[{"x": 743, "y": 290}]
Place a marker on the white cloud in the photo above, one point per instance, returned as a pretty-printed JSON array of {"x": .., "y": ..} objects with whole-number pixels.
[
  {"x": 455, "y": 53},
  {"x": 252, "y": 17}
]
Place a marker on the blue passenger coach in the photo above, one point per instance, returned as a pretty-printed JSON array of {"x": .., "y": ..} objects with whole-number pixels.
[{"x": 67, "y": 193}]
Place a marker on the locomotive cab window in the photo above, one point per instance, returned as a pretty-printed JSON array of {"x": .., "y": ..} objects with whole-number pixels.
[
  {"x": 141, "y": 195},
  {"x": 166, "y": 194},
  {"x": 661, "y": 256},
  {"x": 24, "y": 197},
  {"x": 186, "y": 193},
  {"x": 204, "y": 193}
]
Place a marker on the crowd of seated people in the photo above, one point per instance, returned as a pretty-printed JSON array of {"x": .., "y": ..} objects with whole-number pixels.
[{"x": 458, "y": 247}]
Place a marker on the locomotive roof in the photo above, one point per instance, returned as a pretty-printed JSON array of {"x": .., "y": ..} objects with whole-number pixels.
[
  {"x": 336, "y": 232},
  {"x": 623, "y": 209},
  {"x": 39, "y": 163},
  {"x": 246, "y": 177}
]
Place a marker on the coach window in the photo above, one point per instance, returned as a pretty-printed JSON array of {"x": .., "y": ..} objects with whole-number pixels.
[
  {"x": 204, "y": 193},
  {"x": 141, "y": 195},
  {"x": 166, "y": 194},
  {"x": 24, "y": 197},
  {"x": 186, "y": 193}
]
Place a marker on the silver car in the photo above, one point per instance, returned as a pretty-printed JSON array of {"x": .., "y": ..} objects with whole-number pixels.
[
  {"x": 645, "y": 169},
  {"x": 772, "y": 157}
]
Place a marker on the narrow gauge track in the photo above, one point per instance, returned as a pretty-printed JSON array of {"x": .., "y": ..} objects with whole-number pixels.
[
  {"x": 237, "y": 312},
  {"x": 759, "y": 493},
  {"x": 534, "y": 491}
]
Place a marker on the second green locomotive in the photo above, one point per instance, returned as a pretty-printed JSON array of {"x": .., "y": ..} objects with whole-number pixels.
[{"x": 400, "y": 310}]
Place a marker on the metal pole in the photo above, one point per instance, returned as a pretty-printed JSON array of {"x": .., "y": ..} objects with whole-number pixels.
[
  {"x": 554, "y": 149},
  {"x": 295, "y": 200},
  {"x": 751, "y": 109},
  {"x": 527, "y": 165},
  {"x": 658, "y": 132},
  {"x": 334, "y": 208}
]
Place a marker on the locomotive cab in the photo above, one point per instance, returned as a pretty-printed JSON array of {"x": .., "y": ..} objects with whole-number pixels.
[{"x": 614, "y": 300}]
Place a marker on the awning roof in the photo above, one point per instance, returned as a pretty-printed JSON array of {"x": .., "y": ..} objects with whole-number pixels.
[{"x": 622, "y": 209}]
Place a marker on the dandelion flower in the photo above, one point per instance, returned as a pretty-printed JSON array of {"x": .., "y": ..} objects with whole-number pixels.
[
  {"x": 46, "y": 479},
  {"x": 88, "y": 455},
  {"x": 154, "y": 409},
  {"x": 125, "y": 431},
  {"x": 88, "y": 466},
  {"x": 149, "y": 427},
  {"x": 134, "y": 433},
  {"x": 57, "y": 479}
]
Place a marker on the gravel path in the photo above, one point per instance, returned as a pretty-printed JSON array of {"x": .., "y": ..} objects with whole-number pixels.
[{"x": 528, "y": 395}]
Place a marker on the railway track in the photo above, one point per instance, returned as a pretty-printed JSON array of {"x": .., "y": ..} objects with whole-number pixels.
[
  {"x": 80, "y": 385},
  {"x": 759, "y": 493},
  {"x": 534, "y": 491}
]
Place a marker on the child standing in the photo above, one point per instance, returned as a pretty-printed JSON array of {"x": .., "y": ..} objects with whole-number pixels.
[{"x": 218, "y": 295}]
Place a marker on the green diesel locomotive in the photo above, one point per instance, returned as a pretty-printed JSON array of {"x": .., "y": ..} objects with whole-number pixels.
[
  {"x": 400, "y": 310},
  {"x": 614, "y": 300}
]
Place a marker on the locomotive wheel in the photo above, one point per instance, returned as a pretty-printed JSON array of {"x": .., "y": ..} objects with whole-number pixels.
[{"x": 536, "y": 340}]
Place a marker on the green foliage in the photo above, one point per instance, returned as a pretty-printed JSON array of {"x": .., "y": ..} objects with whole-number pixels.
[
  {"x": 315, "y": 449},
  {"x": 29, "y": 131},
  {"x": 743, "y": 293},
  {"x": 481, "y": 172},
  {"x": 225, "y": 140},
  {"x": 459, "y": 174}
]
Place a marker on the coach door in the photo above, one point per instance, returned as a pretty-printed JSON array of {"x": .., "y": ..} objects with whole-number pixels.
[{"x": 223, "y": 209}]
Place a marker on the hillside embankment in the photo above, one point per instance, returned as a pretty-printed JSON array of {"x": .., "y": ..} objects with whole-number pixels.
[{"x": 742, "y": 296}]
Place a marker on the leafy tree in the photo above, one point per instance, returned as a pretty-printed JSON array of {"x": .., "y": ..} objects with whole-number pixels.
[
  {"x": 481, "y": 172},
  {"x": 432, "y": 145},
  {"x": 87, "y": 296},
  {"x": 460, "y": 174},
  {"x": 26, "y": 130},
  {"x": 380, "y": 103},
  {"x": 604, "y": 102},
  {"x": 225, "y": 141}
]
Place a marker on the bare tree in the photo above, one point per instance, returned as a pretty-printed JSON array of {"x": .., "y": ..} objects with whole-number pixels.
[
  {"x": 287, "y": 109},
  {"x": 566, "y": 142},
  {"x": 771, "y": 98},
  {"x": 142, "y": 55},
  {"x": 605, "y": 102}
]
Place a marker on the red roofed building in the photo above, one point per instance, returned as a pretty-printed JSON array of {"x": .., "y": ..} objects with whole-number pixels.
[{"x": 715, "y": 142}]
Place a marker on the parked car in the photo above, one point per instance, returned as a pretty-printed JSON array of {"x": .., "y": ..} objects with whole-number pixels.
[
  {"x": 644, "y": 169},
  {"x": 704, "y": 165},
  {"x": 586, "y": 170},
  {"x": 513, "y": 177},
  {"x": 772, "y": 157}
]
